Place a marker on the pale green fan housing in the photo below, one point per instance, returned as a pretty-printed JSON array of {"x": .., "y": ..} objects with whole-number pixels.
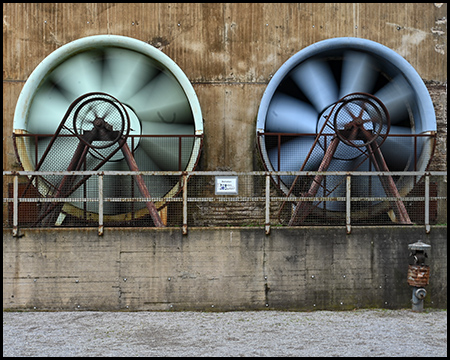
[{"x": 157, "y": 95}]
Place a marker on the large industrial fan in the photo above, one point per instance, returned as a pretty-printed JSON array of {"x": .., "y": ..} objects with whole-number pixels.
[
  {"x": 346, "y": 104},
  {"x": 112, "y": 103}
]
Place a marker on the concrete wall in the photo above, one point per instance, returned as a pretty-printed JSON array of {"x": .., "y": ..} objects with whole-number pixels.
[
  {"x": 228, "y": 51},
  {"x": 218, "y": 269}
]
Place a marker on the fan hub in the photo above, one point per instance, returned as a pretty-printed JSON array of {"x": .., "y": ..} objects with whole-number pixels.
[{"x": 359, "y": 119}]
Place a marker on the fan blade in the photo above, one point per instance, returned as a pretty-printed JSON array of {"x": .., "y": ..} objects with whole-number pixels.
[
  {"x": 155, "y": 128},
  {"x": 162, "y": 100},
  {"x": 293, "y": 154},
  {"x": 365, "y": 186},
  {"x": 398, "y": 152},
  {"x": 125, "y": 72},
  {"x": 80, "y": 74},
  {"x": 60, "y": 154},
  {"x": 315, "y": 79},
  {"x": 290, "y": 115},
  {"x": 157, "y": 146},
  {"x": 399, "y": 130},
  {"x": 335, "y": 185},
  {"x": 47, "y": 110},
  {"x": 395, "y": 96},
  {"x": 113, "y": 186},
  {"x": 358, "y": 74},
  {"x": 162, "y": 151},
  {"x": 158, "y": 185}
]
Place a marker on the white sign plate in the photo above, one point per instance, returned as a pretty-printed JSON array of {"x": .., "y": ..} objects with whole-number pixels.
[{"x": 226, "y": 185}]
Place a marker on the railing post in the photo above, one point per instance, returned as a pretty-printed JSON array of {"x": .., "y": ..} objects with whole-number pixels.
[
  {"x": 15, "y": 231},
  {"x": 100, "y": 204},
  {"x": 185, "y": 204},
  {"x": 267, "y": 223},
  {"x": 427, "y": 203},
  {"x": 348, "y": 204}
]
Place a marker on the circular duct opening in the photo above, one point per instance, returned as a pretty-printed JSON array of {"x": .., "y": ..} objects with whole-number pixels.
[
  {"x": 303, "y": 92},
  {"x": 160, "y": 101}
]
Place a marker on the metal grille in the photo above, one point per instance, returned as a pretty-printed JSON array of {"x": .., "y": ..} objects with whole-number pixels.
[
  {"x": 304, "y": 152},
  {"x": 172, "y": 152},
  {"x": 186, "y": 199}
]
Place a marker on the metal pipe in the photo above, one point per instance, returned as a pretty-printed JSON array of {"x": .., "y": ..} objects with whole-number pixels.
[
  {"x": 100, "y": 205},
  {"x": 267, "y": 225},
  {"x": 348, "y": 204},
  {"x": 427, "y": 203},
  {"x": 184, "y": 204},
  {"x": 15, "y": 205},
  {"x": 418, "y": 295}
]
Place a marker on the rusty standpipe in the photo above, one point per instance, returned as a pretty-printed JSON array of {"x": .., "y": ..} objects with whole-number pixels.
[{"x": 418, "y": 273}]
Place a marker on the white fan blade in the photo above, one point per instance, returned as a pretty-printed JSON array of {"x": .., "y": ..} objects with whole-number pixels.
[
  {"x": 125, "y": 72},
  {"x": 162, "y": 100},
  {"x": 47, "y": 110},
  {"x": 79, "y": 74},
  {"x": 158, "y": 185}
]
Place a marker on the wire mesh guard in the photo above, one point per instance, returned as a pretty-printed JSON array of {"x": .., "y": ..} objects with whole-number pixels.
[
  {"x": 93, "y": 130},
  {"x": 352, "y": 136},
  {"x": 360, "y": 119},
  {"x": 205, "y": 208}
]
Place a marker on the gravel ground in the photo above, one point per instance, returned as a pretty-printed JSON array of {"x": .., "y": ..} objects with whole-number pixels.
[{"x": 253, "y": 333}]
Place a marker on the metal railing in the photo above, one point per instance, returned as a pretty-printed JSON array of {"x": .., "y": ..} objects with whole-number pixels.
[{"x": 192, "y": 200}]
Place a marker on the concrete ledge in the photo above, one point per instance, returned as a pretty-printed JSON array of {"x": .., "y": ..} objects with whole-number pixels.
[{"x": 218, "y": 269}]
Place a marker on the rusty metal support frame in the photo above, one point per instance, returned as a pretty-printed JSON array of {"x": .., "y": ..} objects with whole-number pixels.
[
  {"x": 142, "y": 187},
  {"x": 185, "y": 198},
  {"x": 100, "y": 204},
  {"x": 184, "y": 175},
  {"x": 78, "y": 161},
  {"x": 389, "y": 185},
  {"x": 267, "y": 208}
]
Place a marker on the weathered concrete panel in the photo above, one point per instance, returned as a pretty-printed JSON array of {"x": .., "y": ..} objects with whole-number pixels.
[
  {"x": 227, "y": 41},
  {"x": 235, "y": 45},
  {"x": 217, "y": 269}
]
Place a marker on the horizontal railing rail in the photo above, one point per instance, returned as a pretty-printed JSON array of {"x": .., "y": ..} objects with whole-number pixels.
[{"x": 258, "y": 202}]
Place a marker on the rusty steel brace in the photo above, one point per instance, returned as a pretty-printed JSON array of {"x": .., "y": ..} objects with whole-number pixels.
[
  {"x": 304, "y": 207},
  {"x": 142, "y": 187},
  {"x": 75, "y": 164},
  {"x": 388, "y": 184}
]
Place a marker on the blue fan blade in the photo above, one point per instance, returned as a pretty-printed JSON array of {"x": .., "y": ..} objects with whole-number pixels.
[
  {"x": 293, "y": 154},
  {"x": 395, "y": 96},
  {"x": 315, "y": 79},
  {"x": 358, "y": 73},
  {"x": 289, "y": 115}
]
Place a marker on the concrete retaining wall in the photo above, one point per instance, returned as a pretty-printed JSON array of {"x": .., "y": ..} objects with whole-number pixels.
[{"x": 218, "y": 269}]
